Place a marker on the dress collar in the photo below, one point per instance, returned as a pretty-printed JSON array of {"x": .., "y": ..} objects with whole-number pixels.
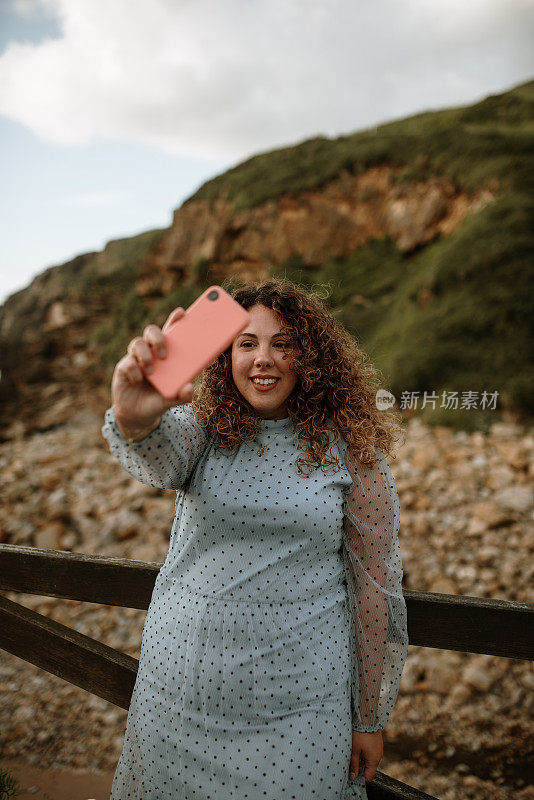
[{"x": 273, "y": 425}]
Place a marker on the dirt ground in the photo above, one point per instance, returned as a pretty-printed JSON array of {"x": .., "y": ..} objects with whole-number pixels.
[{"x": 49, "y": 784}]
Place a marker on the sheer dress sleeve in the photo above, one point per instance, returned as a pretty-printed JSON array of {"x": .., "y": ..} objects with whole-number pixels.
[
  {"x": 167, "y": 456},
  {"x": 373, "y": 569}
]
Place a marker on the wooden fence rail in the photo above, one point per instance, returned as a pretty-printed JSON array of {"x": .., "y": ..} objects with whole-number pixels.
[
  {"x": 451, "y": 622},
  {"x": 445, "y": 621}
]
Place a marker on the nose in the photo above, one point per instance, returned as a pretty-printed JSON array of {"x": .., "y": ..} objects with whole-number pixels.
[{"x": 263, "y": 357}]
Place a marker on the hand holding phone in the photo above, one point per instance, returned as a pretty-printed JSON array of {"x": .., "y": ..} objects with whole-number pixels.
[
  {"x": 195, "y": 339},
  {"x": 146, "y": 383},
  {"x": 137, "y": 405}
]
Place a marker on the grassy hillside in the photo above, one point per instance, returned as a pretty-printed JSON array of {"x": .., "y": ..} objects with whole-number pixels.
[
  {"x": 471, "y": 145},
  {"x": 455, "y": 315}
]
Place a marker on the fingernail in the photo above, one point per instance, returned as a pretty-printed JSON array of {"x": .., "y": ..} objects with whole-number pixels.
[{"x": 352, "y": 775}]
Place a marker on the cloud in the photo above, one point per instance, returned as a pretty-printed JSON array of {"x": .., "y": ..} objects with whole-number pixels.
[
  {"x": 220, "y": 79},
  {"x": 29, "y": 8}
]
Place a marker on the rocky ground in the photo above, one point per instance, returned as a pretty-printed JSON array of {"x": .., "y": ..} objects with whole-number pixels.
[{"x": 462, "y": 722}]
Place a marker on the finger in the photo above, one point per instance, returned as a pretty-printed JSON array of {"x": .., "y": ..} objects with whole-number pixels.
[
  {"x": 155, "y": 339},
  {"x": 354, "y": 766},
  {"x": 132, "y": 345},
  {"x": 141, "y": 351},
  {"x": 184, "y": 396},
  {"x": 187, "y": 393},
  {"x": 173, "y": 317},
  {"x": 126, "y": 368},
  {"x": 133, "y": 372},
  {"x": 370, "y": 769},
  {"x": 369, "y": 774}
]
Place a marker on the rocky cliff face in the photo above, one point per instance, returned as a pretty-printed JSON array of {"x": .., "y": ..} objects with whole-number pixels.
[
  {"x": 49, "y": 369},
  {"x": 314, "y": 225}
]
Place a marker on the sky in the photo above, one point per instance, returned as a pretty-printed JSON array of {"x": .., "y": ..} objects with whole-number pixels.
[{"x": 114, "y": 112}]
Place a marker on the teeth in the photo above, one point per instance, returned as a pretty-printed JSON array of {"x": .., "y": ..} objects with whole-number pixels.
[{"x": 264, "y": 381}]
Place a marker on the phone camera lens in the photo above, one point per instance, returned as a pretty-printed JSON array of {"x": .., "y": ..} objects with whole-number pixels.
[{"x": 213, "y": 295}]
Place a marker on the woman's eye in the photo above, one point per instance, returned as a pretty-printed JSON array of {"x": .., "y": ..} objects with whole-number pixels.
[{"x": 276, "y": 344}]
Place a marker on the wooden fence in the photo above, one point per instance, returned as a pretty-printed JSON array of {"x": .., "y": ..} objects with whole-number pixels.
[{"x": 450, "y": 622}]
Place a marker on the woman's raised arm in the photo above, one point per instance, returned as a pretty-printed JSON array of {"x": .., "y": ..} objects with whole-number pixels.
[{"x": 157, "y": 440}]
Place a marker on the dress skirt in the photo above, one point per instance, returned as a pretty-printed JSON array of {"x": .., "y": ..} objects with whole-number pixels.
[{"x": 239, "y": 698}]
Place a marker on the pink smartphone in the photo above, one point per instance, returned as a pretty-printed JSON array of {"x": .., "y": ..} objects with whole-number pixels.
[{"x": 206, "y": 329}]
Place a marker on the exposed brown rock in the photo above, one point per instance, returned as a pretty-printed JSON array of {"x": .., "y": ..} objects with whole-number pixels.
[
  {"x": 50, "y": 367},
  {"x": 315, "y": 225}
]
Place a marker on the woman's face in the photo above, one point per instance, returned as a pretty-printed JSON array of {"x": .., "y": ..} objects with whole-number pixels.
[{"x": 258, "y": 352}]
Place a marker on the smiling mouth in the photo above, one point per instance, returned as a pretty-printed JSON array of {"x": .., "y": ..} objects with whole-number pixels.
[{"x": 262, "y": 387}]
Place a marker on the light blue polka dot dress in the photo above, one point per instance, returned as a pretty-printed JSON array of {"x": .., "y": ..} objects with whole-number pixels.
[{"x": 256, "y": 661}]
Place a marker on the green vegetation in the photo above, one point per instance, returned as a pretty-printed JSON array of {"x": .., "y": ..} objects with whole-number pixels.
[
  {"x": 110, "y": 276},
  {"x": 115, "y": 269},
  {"x": 457, "y": 316},
  {"x": 490, "y": 140},
  {"x": 454, "y": 316},
  {"x": 9, "y": 786},
  {"x": 126, "y": 321},
  {"x": 130, "y": 315}
]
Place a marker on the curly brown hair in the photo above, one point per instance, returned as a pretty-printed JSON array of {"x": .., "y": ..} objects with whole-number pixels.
[{"x": 336, "y": 383}]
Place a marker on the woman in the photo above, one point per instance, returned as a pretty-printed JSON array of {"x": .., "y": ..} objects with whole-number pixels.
[{"x": 276, "y": 635}]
